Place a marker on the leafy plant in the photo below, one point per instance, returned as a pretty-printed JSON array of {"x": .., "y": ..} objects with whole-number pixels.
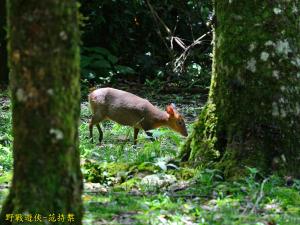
[
  {"x": 208, "y": 176},
  {"x": 6, "y": 138},
  {"x": 98, "y": 65},
  {"x": 130, "y": 31}
]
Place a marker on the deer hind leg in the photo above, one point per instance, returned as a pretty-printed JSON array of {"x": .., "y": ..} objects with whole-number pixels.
[
  {"x": 136, "y": 132},
  {"x": 95, "y": 120},
  {"x": 100, "y": 132}
]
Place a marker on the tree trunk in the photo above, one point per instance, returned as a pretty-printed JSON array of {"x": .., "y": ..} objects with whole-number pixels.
[
  {"x": 252, "y": 114},
  {"x": 3, "y": 49},
  {"x": 44, "y": 62}
]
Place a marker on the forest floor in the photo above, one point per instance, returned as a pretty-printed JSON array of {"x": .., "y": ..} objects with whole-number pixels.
[{"x": 147, "y": 184}]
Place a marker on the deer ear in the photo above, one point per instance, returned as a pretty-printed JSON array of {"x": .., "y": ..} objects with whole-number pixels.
[{"x": 170, "y": 110}]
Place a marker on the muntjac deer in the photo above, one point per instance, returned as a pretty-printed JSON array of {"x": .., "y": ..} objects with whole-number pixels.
[{"x": 130, "y": 110}]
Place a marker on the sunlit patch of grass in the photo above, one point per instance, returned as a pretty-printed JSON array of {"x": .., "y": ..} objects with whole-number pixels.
[
  {"x": 117, "y": 144},
  {"x": 147, "y": 209},
  {"x": 105, "y": 208}
]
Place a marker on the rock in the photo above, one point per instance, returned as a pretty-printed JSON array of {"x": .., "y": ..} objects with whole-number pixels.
[
  {"x": 94, "y": 187},
  {"x": 273, "y": 207},
  {"x": 179, "y": 186},
  {"x": 158, "y": 180}
]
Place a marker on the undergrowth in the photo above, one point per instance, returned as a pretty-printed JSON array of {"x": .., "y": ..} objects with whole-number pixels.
[{"x": 147, "y": 184}]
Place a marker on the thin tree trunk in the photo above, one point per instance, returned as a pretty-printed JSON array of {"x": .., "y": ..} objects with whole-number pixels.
[{"x": 44, "y": 63}]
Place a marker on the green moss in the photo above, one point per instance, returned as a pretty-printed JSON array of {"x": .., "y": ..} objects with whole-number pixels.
[
  {"x": 148, "y": 167},
  {"x": 129, "y": 184},
  {"x": 183, "y": 173},
  {"x": 201, "y": 144},
  {"x": 105, "y": 173},
  {"x": 252, "y": 114},
  {"x": 115, "y": 168}
]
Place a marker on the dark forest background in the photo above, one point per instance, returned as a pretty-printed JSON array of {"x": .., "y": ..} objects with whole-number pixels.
[{"x": 154, "y": 44}]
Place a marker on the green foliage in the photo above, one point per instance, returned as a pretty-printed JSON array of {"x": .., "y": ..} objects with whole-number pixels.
[
  {"x": 198, "y": 196},
  {"x": 183, "y": 173},
  {"x": 5, "y": 158},
  {"x": 5, "y": 135},
  {"x": 208, "y": 177},
  {"x": 209, "y": 202},
  {"x": 197, "y": 75},
  {"x": 287, "y": 196},
  {"x": 105, "y": 173},
  {"x": 130, "y": 32},
  {"x": 147, "y": 167},
  {"x": 98, "y": 65}
]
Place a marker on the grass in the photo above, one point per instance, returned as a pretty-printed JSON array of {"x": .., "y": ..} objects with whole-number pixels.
[
  {"x": 117, "y": 142},
  {"x": 198, "y": 195},
  {"x": 223, "y": 203},
  {"x": 5, "y": 134}
]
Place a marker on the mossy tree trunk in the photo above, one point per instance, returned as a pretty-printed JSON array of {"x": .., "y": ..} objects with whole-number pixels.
[
  {"x": 252, "y": 117},
  {"x": 3, "y": 43},
  {"x": 43, "y": 54}
]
